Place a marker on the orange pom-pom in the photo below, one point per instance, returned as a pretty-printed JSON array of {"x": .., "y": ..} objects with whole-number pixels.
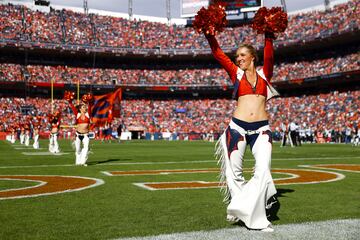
[
  {"x": 50, "y": 117},
  {"x": 87, "y": 98},
  {"x": 272, "y": 20},
  {"x": 57, "y": 114},
  {"x": 210, "y": 21},
  {"x": 69, "y": 95},
  {"x": 53, "y": 118}
]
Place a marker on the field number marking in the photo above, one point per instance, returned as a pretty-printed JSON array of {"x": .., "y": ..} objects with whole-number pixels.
[
  {"x": 47, "y": 185},
  {"x": 296, "y": 176}
]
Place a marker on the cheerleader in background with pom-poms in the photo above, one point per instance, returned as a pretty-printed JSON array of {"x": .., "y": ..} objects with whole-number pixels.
[
  {"x": 249, "y": 124},
  {"x": 12, "y": 130},
  {"x": 54, "y": 120},
  {"x": 22, "y": 132},
  {"x": 36, "y": 124},
  {"x": 27, "y": 131},
  {"x": 82, "y": 116}
]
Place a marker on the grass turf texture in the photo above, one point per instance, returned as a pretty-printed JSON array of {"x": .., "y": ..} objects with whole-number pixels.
[{"x": 120, "y": 209}]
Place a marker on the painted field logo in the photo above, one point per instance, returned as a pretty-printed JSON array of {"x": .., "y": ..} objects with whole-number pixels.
[
  {"x": 295, "y": 176},
  {"x": 47, "y": 185}
]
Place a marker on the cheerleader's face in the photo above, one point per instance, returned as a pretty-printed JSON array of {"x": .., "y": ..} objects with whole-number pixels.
[
  {"x": 83, "y": 108},
  {"x": 244, "y": 59}
]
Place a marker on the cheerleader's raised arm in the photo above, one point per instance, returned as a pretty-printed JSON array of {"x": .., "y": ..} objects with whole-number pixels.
[
  {"x": 222, "y": 58},
  {"x": 268, "y": 67}
]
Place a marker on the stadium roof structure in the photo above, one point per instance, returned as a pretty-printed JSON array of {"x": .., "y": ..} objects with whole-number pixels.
[
  {"x": 176, "y": 21},
  {"x": 32, "y": 6}
]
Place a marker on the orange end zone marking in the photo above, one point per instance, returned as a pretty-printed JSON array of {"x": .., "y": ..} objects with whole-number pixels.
[
  {"x": 48, "y": 185},
  {"x": 297, "y": 176},
  {"x": 302, "y": 176},
  {"x": 342, "y": 167}
]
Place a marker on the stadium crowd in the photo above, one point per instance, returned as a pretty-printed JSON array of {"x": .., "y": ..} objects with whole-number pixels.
[
  {"x": 185, "y": 76},
  {"x": 65, "y": 27},
  {"x": 327, "y": 115}
]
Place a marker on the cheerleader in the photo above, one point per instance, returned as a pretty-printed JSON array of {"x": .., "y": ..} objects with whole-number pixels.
[
  {"x": 36, "y": 131},
  {"x": 249, "y": 125},
  {"x": 82, "y": 117},
  {"x": 27, "y": 132},
  {"x": 22, "y": 133},
  {"x": 12, "y": 130},
  {"x": 54, "y": 120}
]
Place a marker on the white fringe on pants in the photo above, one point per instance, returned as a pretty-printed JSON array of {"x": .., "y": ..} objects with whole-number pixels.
[
  {"x": 53, "y": 143},
  {"x": 36, "y": 141},
  {"x": 81, "y": 153},
  {"x": 247, "y": 200}
]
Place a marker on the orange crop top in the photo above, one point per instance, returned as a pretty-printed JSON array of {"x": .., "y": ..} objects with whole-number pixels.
[
  {"x": 79, "y": 118},
  {"x": 246, "y": 88},
  {"x": 55, "y": 124},
  {"x": 84, "y": 119},
  {"x": 242, "y": 86}
]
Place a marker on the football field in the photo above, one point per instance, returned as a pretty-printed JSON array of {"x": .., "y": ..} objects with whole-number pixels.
[{"x": 150, "y": 188}]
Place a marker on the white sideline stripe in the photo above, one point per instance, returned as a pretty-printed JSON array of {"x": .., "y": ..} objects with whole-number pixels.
[
  {"x": 326, "y": 230},
  {"x": 41, "y": 166},
  {"x": 27, "y": 148},
  {"x": 43, "y": 153},
  {"x": 184, "y": 162}
]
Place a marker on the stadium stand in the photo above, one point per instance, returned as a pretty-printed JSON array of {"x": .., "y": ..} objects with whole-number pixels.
[
  {"x": 68, "y": 27},
  {"x": 330, "y": 113},
  {"x": 104, "y": 52},
  {"x": 205, "y": 76}
]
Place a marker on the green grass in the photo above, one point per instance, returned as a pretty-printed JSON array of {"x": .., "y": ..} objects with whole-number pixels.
[{"x": 120, "y": 209}]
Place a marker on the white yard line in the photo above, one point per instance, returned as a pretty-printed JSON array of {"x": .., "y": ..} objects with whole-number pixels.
[
  {"x": 328, "y": 230},
  {"x": 28, "y": 148},
  {"x": 39, "y": 166},
  {"x": 179, "y": 162},
  {"x": 43, "y": 153}
]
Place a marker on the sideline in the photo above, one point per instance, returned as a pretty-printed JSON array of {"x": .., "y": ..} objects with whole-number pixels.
[{"x": 327, "y": 230}]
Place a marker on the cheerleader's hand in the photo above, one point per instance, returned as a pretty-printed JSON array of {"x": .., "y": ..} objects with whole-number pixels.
[{"x": 270, "y": 35}]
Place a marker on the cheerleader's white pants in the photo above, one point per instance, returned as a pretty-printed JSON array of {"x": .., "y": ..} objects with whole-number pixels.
[
  {"x": 53, "y": 143},
  {"x": 36, "y": 141},
  {"x": 22, "y": 138},
  {"x": 12, "y": 138},
  {"x": 81, "y": 152},
  {"x": 247, "y": 199},
  {"x": 27, "y": 139}
]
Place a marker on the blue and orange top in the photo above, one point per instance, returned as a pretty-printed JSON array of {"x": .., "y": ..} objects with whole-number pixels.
[
  {"x": 80, "y": 119},
  {"x": 241, "y": 85}
]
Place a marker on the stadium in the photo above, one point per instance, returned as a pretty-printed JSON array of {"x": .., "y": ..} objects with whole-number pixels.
[{"x": 150, "y": 172}]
